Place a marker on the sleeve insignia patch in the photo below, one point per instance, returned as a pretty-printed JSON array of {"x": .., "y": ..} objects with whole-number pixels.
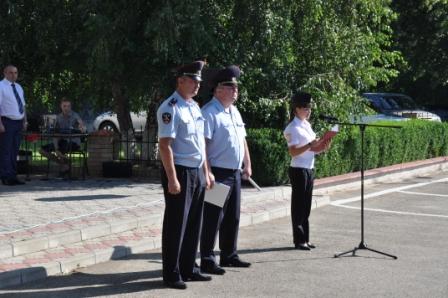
[{"x": 166, "y": 118}]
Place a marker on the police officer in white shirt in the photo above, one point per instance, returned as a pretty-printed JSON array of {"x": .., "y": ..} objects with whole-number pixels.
[
  {"x": 12, "y": 122},
  {"x": 302, "y": 146},
  {"x": 227, "y": 152},
  {"x": 184, "y": 177}
]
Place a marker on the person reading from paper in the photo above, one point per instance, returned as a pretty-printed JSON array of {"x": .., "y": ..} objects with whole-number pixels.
[
  {"x": 302, "y": 146},
  {"x": 67, "y": 122}
]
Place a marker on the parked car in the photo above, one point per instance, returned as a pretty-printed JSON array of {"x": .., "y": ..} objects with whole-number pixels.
[
  {"x": 400, "y": 105},
  {"x": 109, "y": 121},
  {"x": 377, "y": 118}
]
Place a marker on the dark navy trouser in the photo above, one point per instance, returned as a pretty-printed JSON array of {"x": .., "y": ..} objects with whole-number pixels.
[
  {"x": 302, "y": 182},
  {"x": 9, "y": 147},
  {"x": 182, "y": 223},
  {"x": 226, "y": 220}
]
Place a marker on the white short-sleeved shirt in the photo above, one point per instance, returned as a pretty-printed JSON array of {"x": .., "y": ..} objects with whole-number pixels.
[
  {"x": 8, "y": 102},
  {"x": 299, "y": 133},
  {"x": 226, "y": 132},
  {"x": 182, "y": 121}
]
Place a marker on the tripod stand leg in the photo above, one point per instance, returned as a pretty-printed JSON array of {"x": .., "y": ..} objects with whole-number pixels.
[
  {"x": 346, "y": 252},
  {"x": 382, "y": 253}
]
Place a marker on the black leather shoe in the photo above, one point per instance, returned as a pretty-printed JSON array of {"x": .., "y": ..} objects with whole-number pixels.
[
  {"x": 198, "y": 277},
  {"x": 302, "y": 246},
  {"x": 212, "y": 268},
  {"x": 180, "y": 285},
  {"x": 311, "y": 245},
  {"x": 18, "y": 182},
  {"x": 235, "y": 262},
  {"x": 9, "y": 181}
]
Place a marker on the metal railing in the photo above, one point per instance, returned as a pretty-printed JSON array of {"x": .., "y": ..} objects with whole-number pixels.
[
  {"x": 137, "y": 148},
  {"x": 31, "y": 162}
]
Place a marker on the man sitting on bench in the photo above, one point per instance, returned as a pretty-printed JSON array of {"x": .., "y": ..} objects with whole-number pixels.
[{"x": 67, "y": 122}]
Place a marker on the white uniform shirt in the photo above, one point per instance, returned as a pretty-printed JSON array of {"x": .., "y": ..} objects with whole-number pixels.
[
  {"x": 299, "y": 133},
  {"x": 182, "y": 121},
  {"x": 8, "y": 102}
]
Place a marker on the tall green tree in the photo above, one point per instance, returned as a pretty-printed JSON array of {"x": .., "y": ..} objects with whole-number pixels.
[
  {"x": 38, "y": 37},
  {"x": 421, "y": 34},
  {"x": 122, "y": 53},
  {"x": 334, "y": 49}
]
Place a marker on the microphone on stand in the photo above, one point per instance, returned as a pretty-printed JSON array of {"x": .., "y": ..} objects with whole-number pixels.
[{"x": 328, "y": 118}]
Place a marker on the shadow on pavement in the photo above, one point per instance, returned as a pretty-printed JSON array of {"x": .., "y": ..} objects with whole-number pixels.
[
  {"x": 81, "y": 198},
  {"x": 59, "y": 184},
  {"x": 261, "y": 250},
  {"x": 151, "y": 257},
  {"x": 81, "y": 284},
  {"x": 90, "y": 286}
]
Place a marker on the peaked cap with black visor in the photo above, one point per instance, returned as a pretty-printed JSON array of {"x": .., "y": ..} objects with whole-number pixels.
[
  {"x": 301, "y": 100},
  {"x": 192, "y": 70},
  {"x": 227, "y": 76}
]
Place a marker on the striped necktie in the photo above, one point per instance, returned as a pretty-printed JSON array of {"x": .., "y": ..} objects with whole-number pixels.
[{"x": 19, "y": 101}]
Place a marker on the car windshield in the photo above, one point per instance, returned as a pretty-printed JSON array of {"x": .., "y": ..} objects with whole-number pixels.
[
  {"x": 400, "y": 102},
  {"x": 392, "y": 102}
]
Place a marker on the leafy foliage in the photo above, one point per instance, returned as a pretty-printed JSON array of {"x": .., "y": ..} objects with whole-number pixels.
[
  {"x": 420, "y": 33},
  {"x": 120, "y": 54}
]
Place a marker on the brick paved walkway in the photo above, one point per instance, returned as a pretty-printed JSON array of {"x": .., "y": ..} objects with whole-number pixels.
[{"x": 53, "y": 227}]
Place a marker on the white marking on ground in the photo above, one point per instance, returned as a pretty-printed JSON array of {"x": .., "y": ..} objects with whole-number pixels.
[
  {"x": 386, "y": 191},
  {"x": 423, "y": 194},
  {"x": 395, "y": 212}
]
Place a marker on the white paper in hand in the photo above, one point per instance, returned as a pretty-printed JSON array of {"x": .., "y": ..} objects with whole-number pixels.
[{"x": 217, "y": 195}]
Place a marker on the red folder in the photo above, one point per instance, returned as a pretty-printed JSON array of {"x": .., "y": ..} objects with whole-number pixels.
[{"x": 325, "y": 138}]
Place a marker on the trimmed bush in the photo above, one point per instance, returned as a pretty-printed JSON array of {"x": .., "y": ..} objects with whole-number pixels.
[
  {"x": 269, "y": 161},
  {"x": 416, "y": 140}
]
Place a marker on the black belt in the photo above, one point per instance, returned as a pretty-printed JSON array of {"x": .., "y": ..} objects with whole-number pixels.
[
  {"x": 226, "y": 169},
  {"x": 7, "y": 118},
  {"x": 185, "y": 167},
  {"x": 302, "y": 169}
]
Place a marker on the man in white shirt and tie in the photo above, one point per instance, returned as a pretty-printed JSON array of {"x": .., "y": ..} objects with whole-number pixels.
[{"x": 12, "y": 122}]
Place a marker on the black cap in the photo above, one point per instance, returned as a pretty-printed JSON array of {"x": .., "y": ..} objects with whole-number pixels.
[
  {"x": 192, "y": 70},
  {"x": 227, "y": 76},
  {"x": 301, "y": 100}
]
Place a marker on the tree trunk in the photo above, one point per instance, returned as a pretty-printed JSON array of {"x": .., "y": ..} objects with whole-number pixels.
[
  {"x": 122, "y": 109},
  {"x": 150, "y": 144}
]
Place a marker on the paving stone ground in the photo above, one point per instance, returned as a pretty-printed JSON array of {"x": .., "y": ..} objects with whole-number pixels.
[
  {"x": 43, "y": 202},
  {"x": 54, "y": 227}
]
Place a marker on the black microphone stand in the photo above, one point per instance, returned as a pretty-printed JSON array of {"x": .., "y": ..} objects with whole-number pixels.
[{"x": 362, "y": 244}]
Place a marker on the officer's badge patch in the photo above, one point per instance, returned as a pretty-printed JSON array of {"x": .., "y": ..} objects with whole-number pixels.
[{"x": 166, "y": 118}]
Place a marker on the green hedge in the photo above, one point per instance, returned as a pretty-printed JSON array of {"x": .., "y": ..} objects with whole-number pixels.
[{"x": 416, "y": 140}]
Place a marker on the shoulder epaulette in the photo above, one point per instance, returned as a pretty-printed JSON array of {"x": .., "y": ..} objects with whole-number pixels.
[{"x": 172, "y": 102}]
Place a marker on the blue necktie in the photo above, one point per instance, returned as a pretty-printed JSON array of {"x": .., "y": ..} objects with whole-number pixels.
[{"x": 19, "y": 101}]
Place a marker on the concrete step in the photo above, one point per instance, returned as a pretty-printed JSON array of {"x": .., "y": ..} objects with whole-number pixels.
[
  {"x": 100, "y": 224},
  {"x": 66, "y": 258},
  {"x": 64, "y": 252},
  {"x": 84, "y": 228}
]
